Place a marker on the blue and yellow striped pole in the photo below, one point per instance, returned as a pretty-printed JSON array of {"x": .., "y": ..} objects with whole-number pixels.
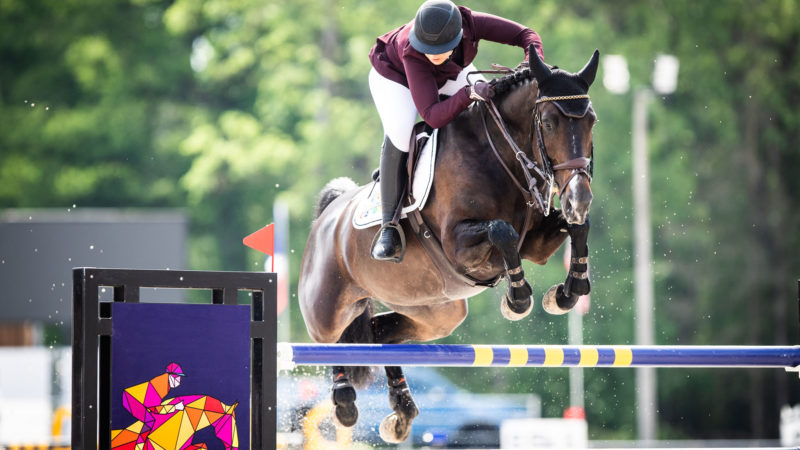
[{"x": 537, "y": 355}]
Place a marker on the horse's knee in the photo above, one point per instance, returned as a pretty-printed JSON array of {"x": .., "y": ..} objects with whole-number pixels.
[{"x": 502, "y": 234}]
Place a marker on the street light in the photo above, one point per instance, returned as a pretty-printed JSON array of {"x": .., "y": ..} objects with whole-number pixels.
[{"x": 616, "y": 79}]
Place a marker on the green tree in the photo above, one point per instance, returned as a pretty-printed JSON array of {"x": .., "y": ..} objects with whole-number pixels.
[{"x": 91, "y": 109}]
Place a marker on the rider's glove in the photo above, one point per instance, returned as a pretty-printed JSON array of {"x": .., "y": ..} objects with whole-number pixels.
[{"x": 481, "y": 90}]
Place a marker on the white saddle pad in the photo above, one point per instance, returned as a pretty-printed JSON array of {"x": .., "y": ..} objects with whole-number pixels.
[{"x": 368, "y": 208}]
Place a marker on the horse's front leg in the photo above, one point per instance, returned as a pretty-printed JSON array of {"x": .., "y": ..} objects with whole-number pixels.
[
  {"x": 499, "y": 234},
  {"x": 561, "y": 298}
]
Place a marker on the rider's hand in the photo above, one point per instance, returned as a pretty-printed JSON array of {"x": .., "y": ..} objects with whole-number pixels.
[{"x": 481, "y": 90}]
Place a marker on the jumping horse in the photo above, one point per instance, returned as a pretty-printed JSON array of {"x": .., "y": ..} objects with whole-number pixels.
[{"x": 498, "y": 167}]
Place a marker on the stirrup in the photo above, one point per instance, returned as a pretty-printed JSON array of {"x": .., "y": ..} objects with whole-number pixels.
[{"x": 398, "y": 257}]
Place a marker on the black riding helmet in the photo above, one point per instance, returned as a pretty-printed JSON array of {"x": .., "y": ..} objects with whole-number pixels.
[{"x": 437, "y": 27}]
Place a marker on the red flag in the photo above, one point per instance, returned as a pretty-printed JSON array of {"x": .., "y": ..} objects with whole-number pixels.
[{"x": 263, "y": 240}]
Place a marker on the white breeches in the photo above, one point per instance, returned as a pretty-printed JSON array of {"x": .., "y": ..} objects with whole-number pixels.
[{"x": 396, "y": 106}]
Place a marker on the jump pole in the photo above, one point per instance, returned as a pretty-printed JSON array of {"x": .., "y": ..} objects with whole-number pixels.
[{"x": 441, "y": 355}]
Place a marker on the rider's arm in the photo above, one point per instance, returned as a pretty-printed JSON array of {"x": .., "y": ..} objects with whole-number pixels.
[
  {"x": 497, "y": 29},
  {"x": 133, "y": 400},
  {"x": 425, "y": 93}
]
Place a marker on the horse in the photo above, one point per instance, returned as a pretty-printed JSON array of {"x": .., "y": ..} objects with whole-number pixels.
[
  {"x": 498, "y": 167},
  {"x": 176, "y": 420}
]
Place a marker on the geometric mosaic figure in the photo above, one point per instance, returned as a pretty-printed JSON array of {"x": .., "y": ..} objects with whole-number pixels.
[
  {"x": 170, "y": 424},
  {"x": 158, "y": 347}
]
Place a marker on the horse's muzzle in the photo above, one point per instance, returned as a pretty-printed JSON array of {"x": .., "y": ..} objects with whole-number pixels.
[{"x": 577, "y": 199}]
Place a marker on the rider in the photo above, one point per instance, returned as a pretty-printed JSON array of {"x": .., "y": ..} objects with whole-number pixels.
[
  {"x": 143, "y": 399},
  {"x": 411, "y": 67}
]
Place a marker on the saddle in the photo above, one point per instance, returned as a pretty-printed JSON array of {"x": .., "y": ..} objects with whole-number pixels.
[
  {"x": 422, "y": 155},
  {"x": 420, "y": 135}
]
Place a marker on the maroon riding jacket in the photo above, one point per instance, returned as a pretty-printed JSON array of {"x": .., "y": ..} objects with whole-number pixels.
[{"x": 394, "y": 58}]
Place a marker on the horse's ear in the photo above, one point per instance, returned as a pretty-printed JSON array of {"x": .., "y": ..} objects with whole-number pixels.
[
  {"x": 538, "y": 67},
  {"x": 589, "y": 71}
]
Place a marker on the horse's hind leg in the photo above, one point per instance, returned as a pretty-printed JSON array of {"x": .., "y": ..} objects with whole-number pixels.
[
  {"x": 562, "y": 298},
  {"x": 343, "y": 396},
  {"x": 418, "y": 323},
  {"x": 343, "y": 392},
  {"x": 396, "y": 427}
]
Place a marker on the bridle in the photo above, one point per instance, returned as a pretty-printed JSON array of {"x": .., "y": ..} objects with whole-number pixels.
[
  {"x": 534, "y": 197},
  {"x": 580, "y": 165}
]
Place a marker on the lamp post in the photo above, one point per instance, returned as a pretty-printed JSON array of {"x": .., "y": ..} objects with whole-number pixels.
[{"x": 616, "y": 79}]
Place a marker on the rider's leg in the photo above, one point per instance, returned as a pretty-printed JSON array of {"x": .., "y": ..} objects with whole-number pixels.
[
  {"x": 387, "y": 246},
  {"x": 398, "y": 113}
]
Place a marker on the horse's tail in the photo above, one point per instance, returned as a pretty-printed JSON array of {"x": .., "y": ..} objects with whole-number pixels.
[
  {"x": 333, "y": 189},
  {"x": 359, "y": 332}
]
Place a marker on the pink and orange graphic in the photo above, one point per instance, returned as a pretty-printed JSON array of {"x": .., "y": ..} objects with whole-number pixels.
[{"x": 170, "y": 424}]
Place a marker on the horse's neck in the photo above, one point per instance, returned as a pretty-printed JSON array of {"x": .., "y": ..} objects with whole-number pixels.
[
  {"x": 518, "y": 105},
  {"x": 516, "y": 115}
]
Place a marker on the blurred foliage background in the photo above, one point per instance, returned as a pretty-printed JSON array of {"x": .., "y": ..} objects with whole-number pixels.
[{"x": 223, "y": 107}]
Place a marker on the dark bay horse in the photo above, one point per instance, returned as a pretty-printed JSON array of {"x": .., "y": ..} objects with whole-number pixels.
[{"x": 498, "y": 167}]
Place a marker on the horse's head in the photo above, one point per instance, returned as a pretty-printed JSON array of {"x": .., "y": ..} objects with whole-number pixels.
[{"x": 563, "y": 122}]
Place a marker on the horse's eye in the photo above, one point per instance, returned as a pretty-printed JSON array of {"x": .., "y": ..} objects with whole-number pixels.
[{"x": 548, "y": 125}]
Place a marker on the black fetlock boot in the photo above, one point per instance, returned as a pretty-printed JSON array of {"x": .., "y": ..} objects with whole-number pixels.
[{"x": 388, "y": 243}]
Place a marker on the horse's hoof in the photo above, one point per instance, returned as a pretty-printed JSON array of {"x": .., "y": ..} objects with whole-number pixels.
[
  {"x": 394, "y": 429},
  {"x": 345, "y": 415},
  {"x": 550, "y": 301},
  {"x": 509, "y": 314},
  {"x": 345, "y": 411}
]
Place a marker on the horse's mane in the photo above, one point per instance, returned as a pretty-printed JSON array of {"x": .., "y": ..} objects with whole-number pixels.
[
  {"x": 510, "y": 82},
  {"x": 515, "y": 79}
]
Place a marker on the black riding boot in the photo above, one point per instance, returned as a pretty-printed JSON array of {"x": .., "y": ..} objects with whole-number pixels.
[{"x": 387, "y": 245}]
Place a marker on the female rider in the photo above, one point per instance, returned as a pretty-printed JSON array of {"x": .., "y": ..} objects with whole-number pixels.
[{"x": 411, "y": 67}]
